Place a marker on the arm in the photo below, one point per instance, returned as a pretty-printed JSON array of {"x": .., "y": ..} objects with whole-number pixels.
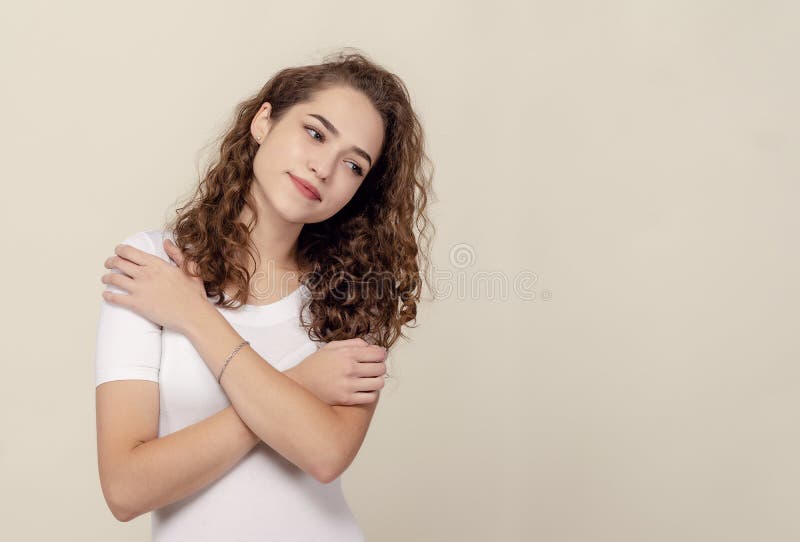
[
  {"x": 138, "y": 476},
  {"x": 163, "y": 470},
  {"x": 319, "y": 438},
  {"x": 139, "y": 471}
]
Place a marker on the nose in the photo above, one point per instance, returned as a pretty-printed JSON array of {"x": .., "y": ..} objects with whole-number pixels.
[
  {"x": 320, "y": 175},
  {"x": 322, "y": 164}
]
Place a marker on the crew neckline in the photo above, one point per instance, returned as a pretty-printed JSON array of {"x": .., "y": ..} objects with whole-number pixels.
[
  {"x": 269, "y": 307},
  {"x": 286, "y": 308}
]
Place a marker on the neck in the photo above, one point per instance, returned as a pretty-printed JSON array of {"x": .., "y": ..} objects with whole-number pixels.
[{"x": 275, "y": 239}]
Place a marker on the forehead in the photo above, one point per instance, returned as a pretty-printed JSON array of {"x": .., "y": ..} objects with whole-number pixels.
[{"x": 351, "y": 113}]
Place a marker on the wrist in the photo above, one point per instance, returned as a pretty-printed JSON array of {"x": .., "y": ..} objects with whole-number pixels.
[
  {"x": 199, "y": 319},
  {"x": 294, "y": 373},
  {"x": 300, "y": 375},
  {"x": 247, "y": 433}
]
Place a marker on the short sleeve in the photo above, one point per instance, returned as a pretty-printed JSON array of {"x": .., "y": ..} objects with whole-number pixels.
[{"x": 128, "y": 345}]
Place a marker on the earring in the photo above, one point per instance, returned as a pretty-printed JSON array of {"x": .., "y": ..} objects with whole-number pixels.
[{"x": 258, "y": 138}]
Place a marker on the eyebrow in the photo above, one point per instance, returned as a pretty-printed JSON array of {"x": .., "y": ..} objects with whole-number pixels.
[{"x": 332, "y": 129}]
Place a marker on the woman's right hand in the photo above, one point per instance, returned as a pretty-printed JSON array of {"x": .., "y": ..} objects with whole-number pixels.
[{"x": 348, "y": 372}]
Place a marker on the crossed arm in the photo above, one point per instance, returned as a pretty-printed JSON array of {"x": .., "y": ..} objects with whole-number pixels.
[
  {"x": 161, "y": 471},
  {"x": 319, "y": 438},
  {"x": 266, "y": 405}
]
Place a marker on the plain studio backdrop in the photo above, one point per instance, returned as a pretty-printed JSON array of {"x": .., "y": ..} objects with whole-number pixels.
[{"x": 613, "y": 352}]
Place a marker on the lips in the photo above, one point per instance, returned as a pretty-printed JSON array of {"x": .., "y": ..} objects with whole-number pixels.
[{"x": 307, "y": 185}]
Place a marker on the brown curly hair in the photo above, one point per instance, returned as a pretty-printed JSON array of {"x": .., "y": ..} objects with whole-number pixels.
[{"x": 372, "y": 236}]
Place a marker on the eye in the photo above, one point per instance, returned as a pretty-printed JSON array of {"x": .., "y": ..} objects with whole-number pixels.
[
  {"x": 313, "y": 132},
  {"x": 309, "y": 129},
  {"x": 356, "y": 169}
]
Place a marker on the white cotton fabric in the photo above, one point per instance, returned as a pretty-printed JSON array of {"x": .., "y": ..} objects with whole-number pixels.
[{"x": 264, "y": 497}]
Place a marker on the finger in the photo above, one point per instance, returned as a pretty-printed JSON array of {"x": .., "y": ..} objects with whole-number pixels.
[
  {"x": 173, "y": 252},
  {"x": 179, "y": 257},
  {"x": 360, "y": 398},
  {"x": 125, "y": 266},
  {"x": 123, "y": 300},
  {"x": 346, "y": 342},
  {"x": 363, "y": 397},
  {"x": 119, "y": 280},
  {"x": 370, "y": 353},
  {"x": 369, "y": 369},
  {"x": 358, "y": 341},
  {"x": 370, "y": 384},
  {"x": 137, "y": 256}
]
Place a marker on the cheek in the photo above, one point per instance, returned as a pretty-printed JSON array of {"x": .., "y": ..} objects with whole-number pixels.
[
  {"x": 261, "y": 162},
  {"x": 339, "y": 200},
  {"x": 281, "y": 152}
]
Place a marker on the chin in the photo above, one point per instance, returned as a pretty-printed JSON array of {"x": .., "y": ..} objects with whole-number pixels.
[
  {"x": 288, "y": 208},
  {"x": 297, "y": 215}
]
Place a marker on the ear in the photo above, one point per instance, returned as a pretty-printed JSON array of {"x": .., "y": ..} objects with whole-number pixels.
[{"x": 261, "y": 123}]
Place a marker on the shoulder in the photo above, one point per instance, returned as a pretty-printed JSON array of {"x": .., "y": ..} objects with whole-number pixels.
[{"x": 150, "y": 241}]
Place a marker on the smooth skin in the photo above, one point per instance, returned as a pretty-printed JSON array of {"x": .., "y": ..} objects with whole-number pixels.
[{"x": 317, "y": 414}]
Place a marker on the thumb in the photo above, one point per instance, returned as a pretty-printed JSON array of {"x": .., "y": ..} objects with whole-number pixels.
[
  {"x": 178, "y": 257},
  {"x": 173, "y": 252},
  {"x": 357, "y": 341}
]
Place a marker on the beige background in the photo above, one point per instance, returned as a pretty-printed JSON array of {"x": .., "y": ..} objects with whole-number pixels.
[{"x": 636, "y": 161}]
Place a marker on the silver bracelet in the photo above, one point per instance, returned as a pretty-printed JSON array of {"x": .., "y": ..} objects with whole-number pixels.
[{"x": 235, "y": 351}]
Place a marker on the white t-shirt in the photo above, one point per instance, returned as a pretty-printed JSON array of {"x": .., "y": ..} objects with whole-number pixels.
[{"x": 264, "y": 497}]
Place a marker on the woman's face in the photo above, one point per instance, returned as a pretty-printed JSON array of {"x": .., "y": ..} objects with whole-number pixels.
[{"x": 330, "y": 142}]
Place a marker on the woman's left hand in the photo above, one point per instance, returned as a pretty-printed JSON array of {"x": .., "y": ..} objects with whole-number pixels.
[{"x": 158, "y": 290}]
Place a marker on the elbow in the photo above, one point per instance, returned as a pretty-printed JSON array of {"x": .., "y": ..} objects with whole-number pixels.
[
  {"x": 326, "y": 476},
  {"x": 121, "y": 515},
  {"x": 321, "y": 472},
  {"x": 119, "y": 508},
  {"x": 119, "y": 512},
  {"x": 327, "y": 472}
]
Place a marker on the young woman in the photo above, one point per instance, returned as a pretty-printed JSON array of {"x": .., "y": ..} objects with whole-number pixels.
[{"x": 241, "y": 350}]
